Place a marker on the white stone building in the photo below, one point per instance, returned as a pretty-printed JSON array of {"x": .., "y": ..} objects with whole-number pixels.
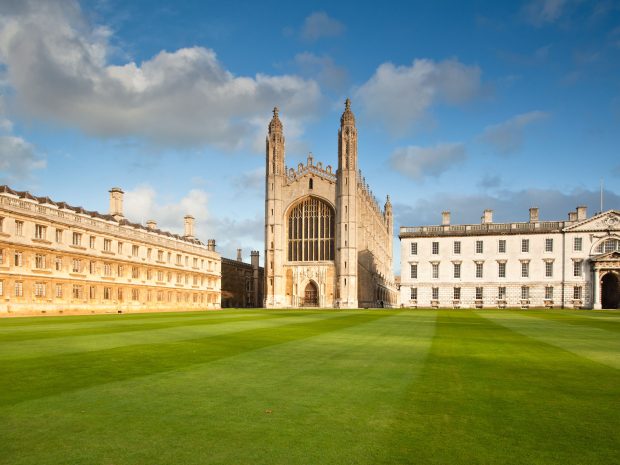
[{"x": 553, "y": 264}]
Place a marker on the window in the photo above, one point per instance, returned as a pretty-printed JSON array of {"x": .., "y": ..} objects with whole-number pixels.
[
  {"x": 160, "y": 276},
  {"x": 414, "y": 248},
  {"x": 549, "y": 292},
  {"x": 39, "y": 231},
  {"x": 19, "y": 228},
  {"x": 525, "y": 245},
  {"x": 549, "y": 269},
  {"x": 179, "y": 259},
  {"x": 135, "y": 294},
  {"x": 120, "y": 271},
  {"x": 135, "y": 272},
  {"x": 107, "y": 293},
  {"x": 577, "y": 244},
  {"x": 548, "y": 245},
  {"x": 479, "y": 247},
  {"x": 1, "y": 223},
  {"x": 59, "y": 236},
  {"x": 1, "y": 287},
  {"x": 1, "y": 256},
  {"x": 76, "y": 265},
  {"x": 135, "y": 250},
  {"x": 149, "y": 252},
  {"x": 311, "y": 226},
  {"x": 77, "y": 238},
  {"x": 457, "y": 293},
  {"x": 107, "y": 269},
  {"x": 457, "y": 270},
  {"x": 149, "y": 274},
  {"x": 414, "y": 271},
  {"x": 160, "y": 296},
  {"x": 501, "y": 246},
  {"x": 77, "y": 291},
  {"x": 479, "y": 270},
  {"x": 195, "y": 262},
  {"x": 187, "y": 260},
  {"x": 39, "y": 289},
  {"x": 525, "y": 269},
  {"x": 119, "y": 294},
  {"x": 39, "y": 261},
  {"x": 92, "y": 292},
  {"x": 501, "y": 293},
  {"x": 120, "y": 248},
  {"x": 92, "y": 242},
  {"x": 577, "y": 292},
  {"x": 19, "y": 288},
  {"x": 525, "y": 292},
  {"x": 457, "y": 247},
  {"x": 92, "y": 267},
  {"x": 610, "y": 245},
  {"x": 435, "y": 248},
  {"x": 577, "y": 268},
  {"x": 170, "y": 256},
  {"x": 58, "y": 291},
  {"x": 435, "y": 293},
  {"x": 160, "y": 255},
  {"x": 19, "y": 258},
  {"x": 58, "y": 263},
  {"x": 478, "y": 293},
  {"x": 501, "y": 270},
  {"x": 107, "y": 245},
  {"x": 435, "y": 270}
]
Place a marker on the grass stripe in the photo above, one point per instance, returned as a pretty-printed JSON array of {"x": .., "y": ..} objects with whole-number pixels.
[
  {"x": 596, "y": 344},
  {"x": 575, "y": 318},
  {"x": 330, "y": 395}
]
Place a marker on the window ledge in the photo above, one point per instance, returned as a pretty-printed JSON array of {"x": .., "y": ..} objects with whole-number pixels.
[
  {"x": 78, "y": 247},
  {"x": 40, "y": 241}
]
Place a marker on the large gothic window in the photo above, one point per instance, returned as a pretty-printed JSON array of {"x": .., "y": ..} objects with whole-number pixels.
[{"x": 311, "y": 225}]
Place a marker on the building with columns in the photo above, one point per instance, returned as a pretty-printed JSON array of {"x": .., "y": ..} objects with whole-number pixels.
[
  {"x": 327, "y": 241},
  {"x": 553, "y": 264},
  {"x": 58, "y": 258}
]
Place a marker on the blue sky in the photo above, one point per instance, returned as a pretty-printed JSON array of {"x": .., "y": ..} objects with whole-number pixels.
[{"x": 460, "y": 105}]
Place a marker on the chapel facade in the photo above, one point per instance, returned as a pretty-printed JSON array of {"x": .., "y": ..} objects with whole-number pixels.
[{"x": 328, "y": 243}]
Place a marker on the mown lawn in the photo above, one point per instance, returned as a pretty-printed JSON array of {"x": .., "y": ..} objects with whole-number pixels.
[{"x": 312, "y": 387}]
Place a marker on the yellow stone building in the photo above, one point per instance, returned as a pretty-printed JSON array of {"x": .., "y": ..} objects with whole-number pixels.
[
  {"x": 59, "y": 258},
  {"x": 328, "y": 243}
]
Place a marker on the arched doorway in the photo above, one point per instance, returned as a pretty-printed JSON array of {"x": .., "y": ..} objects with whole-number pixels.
[
  {"x": 610, "y": 291},
  {"x": 311, "y": 295}
]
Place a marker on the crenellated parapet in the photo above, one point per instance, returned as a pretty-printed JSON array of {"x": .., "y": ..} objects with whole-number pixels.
[{"x": 310, "y": 167}]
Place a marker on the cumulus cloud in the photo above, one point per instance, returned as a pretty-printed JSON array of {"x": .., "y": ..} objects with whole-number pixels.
[
  {"x": 540, "y": 12},
  {"x": 57, "y": 63},
  {"x": 318, "y": 25},
  {"x": 420, "y": 162},
  {"x": 508, "y": 205},
  {"x": 507, "y": 137},
  {"x": 18, "y": 159},
  {"x": 400, "y": 96}
]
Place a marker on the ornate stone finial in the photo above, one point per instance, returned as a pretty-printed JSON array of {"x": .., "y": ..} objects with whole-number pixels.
[
  {"x": 347, "y": 117},
  {"x": 275, "y": 124},
  {"x": 275, "y": 111}
]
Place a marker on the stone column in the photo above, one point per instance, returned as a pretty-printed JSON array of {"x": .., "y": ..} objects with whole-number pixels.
[{"x": 596, "y": 290}]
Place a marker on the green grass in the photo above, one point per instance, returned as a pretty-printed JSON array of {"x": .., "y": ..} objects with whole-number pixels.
[{"x": 312, "y": 387}]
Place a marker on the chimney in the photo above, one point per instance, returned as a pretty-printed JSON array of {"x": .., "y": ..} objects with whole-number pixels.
[
  {"x": 534, "y": 215},
  {"x": 445, "y": 218},
  {"x": 151, "y": 224},
  {"x": 189, "y": 226},
  {"x": 572, "y": 216},
  {"x": 254, "y": 258},
  {"x": 239, "y": 256},
  {"x": 487, "y": 216},
  {"x": 211, "y": 245},
  {"x": 116, "y": 202},
  {"x": 582, "y": 213}
]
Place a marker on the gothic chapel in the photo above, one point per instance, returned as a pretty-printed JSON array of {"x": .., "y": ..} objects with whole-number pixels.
[{"x": 327, "y": 241}]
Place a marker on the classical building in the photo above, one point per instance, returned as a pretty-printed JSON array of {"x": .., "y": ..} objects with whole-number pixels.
[
  {"x": 327, "y": 241},
  {"x": 242, "y": 283},
  {"x": 554, "y": 264},
  {"x": 59, "y": 258}
]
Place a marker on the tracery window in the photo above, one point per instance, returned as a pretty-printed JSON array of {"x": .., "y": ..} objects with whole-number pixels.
[{"x": 311, "y": 225}]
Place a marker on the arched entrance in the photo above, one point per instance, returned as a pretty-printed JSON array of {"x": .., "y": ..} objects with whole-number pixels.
[
  {"x": 311, "y": 295},
  {"x": 610, "y": 291}
]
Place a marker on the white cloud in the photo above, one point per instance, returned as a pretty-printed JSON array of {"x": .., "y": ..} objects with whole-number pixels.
[
  {"x": 318, "y": 25},
  {"x": 400, "y": 96},
  {"x": 57, "y": 64},
  {"x": 539, "y": 12},
  {"x": 420, "y": 162},
  {"x": 18, "y": 159},
  {"x": 323, "y": 69},
  {"x": 507, "y": 137}
]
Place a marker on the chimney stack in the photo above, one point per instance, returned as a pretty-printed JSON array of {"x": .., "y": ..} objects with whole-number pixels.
[
  {"x": 445, "y": 218},
  {"x": 582, "y": 213},
  {"x": 239, "y": 256},
  {"x": 254, "y": 258},
  {"x": 487, "y": 217},
  {"x": 572, "y": 216},
  {"x": 116, "y": 202},
  {"x": 189, "y": 226},
  {"x": 151, "y": 224},
  {"x": 534, "y": 215},
  {"x": 211, "y": 245}
]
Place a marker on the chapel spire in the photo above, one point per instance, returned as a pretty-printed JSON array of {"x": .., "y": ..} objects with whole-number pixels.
[
  {"x": 347, "y": 118},
  {"x": 275, "y": 125}
]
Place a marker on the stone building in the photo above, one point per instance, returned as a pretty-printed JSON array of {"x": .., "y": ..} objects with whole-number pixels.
[
  {"x": 553, "y": 264},
  {"x": 58, "y": 258},
  {"x": 327, "y": 241},
  {"x": 242, "y": 283}
]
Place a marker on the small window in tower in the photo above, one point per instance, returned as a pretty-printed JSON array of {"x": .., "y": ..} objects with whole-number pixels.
[{"x": 310, "y": 184}]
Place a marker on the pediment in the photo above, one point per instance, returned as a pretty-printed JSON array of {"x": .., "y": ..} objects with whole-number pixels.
[
  {"x": 614, "y": 255},
  {"x": 606, "y": 221}
]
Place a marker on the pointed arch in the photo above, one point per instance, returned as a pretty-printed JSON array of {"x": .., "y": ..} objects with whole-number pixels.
[{"x": 311, "y": 226}]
